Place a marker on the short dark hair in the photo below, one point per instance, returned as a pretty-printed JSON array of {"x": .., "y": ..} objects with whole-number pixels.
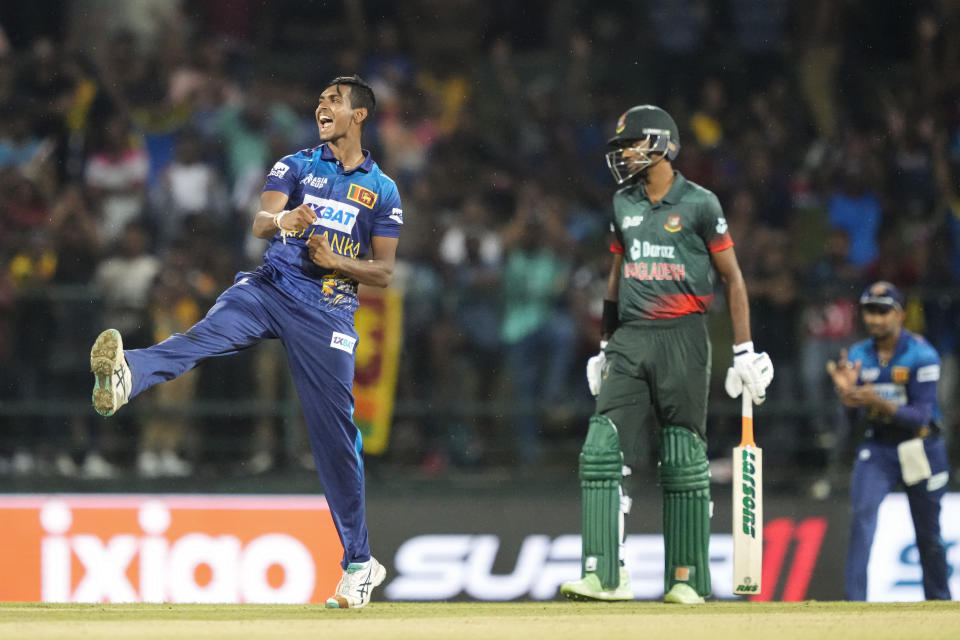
[{"x": 361, "y": 93}]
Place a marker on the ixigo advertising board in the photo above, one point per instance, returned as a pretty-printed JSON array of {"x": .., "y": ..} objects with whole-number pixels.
[{"x": 113, "y": 548}]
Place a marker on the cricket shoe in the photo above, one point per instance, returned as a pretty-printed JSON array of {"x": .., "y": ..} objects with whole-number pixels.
[
  {"x": 588, "y": 589},
  {"x": 112, "y": 381},
  {"x": 682, "y": 593},
  {"x": 356, "y": 585}
]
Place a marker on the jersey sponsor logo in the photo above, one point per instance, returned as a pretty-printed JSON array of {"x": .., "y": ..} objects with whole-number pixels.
[
  {"x": 317, "y": 182},
  {"x": 870, "y": 374},
  {"x": 333, "y": 214},
  {"x": 929, "y": 373},
  {"x": 397, "y": 215},
  {"x": 364, "y": 196},
  {"x": 343, "y": 342},
  {"x": 673, "y": 224},
  {"x": 654, "y": 271},
  {"x": 900, "y": 375},
  {"x": 938, "y": 481},
  {"x": 651, "y": 250},
  {"x": 631, "y": 221},
  {"x": 895, "y": 393},
  {"x": 721, "y": 225},
  {"x": 279, "y": 170}
]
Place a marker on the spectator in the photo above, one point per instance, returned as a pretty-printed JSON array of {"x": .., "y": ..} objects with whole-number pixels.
[
  {"x": 854, "y": 208},
  {"x": 537, "y": 330},
  {"x": 116, "y": 176}
]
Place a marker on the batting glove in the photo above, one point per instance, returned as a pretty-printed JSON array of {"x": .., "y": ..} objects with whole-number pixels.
[
  {"x": 751, "y": 370},
  {"x": 595, "y": 369}
]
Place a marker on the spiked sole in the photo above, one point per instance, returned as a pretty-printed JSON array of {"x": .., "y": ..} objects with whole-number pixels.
[{"x": 103, "y": 357}]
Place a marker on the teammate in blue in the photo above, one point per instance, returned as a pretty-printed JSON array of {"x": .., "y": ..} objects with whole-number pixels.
[
  {"x": 889, "y": 382},
  {"x": 333, "y": 219}
]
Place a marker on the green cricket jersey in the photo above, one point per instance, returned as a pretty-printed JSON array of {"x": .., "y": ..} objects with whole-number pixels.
[{"x": 666, "y": 247}]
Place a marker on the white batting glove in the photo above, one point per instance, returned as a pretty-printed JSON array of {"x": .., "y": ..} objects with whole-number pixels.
[
  {"x": 751, "y": 370},
  {"x": 595, "y": 369}
]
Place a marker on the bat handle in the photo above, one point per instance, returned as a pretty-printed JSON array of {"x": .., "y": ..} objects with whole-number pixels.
[{"x": 746, "y": 419}]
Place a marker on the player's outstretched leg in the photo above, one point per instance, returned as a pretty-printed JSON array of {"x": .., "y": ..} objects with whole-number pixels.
[
  {"x": 685, "y": 481},
  {"x": 112, "y": 381},
  {"x": 356, "y": 585},
  {"x": 601, "y": 468}
]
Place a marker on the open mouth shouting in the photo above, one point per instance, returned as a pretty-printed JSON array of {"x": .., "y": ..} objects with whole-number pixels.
[{"x": 325, "y": 123}]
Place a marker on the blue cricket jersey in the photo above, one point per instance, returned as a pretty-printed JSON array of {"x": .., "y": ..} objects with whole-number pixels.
[
  {"x": 351, "y": 208},
  {"x": 909, "y": 381}
]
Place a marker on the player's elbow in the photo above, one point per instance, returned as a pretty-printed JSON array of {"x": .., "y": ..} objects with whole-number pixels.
[{"x": 384, "y": 278}]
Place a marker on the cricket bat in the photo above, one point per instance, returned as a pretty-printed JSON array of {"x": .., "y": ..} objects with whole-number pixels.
[{"x": 747, "y": 506}]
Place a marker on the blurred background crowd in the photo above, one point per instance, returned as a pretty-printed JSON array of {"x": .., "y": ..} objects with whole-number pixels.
[{"x": 135, "y": 138}]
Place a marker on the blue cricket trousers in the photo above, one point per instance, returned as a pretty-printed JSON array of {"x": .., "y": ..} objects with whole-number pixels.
[
  {"x": 875, "y": 474},
  {"x": 253, "y": 309}
]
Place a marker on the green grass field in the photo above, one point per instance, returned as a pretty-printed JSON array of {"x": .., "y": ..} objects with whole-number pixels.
[{"x": 468, "y": 621}]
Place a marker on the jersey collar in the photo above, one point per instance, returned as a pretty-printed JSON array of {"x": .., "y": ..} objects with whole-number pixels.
[
  {"x": 679, "y": 184},
  {"x": 673, "y": 195},
  {"x": 898, "y": 348},
  {"x": 365, "y": 166}
]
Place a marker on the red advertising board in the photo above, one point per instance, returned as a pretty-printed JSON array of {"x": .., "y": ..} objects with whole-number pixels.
[{"x": 163, "y": 548}]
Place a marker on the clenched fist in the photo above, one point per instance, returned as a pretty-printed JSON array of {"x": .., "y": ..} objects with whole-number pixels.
[
  {"x": 321, "y": 253},
  {"x": 296, "y": 220}
]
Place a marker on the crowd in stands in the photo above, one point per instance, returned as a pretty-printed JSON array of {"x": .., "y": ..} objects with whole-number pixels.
[{"x": 135, "y": 139}]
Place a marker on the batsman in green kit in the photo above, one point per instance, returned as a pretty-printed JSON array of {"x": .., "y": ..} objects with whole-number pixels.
[{"x": 653, "y": 369}]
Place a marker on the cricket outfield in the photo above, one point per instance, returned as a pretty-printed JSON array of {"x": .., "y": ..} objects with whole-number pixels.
[{"x": 468, "y": 621}]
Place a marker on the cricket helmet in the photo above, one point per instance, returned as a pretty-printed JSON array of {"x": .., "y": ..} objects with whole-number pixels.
[{"x": 649, "y": 127}]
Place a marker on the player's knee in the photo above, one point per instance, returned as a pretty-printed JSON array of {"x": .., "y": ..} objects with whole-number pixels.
[
  {"x": 683, "y": 460},
  {"x": 600, "y": 457}
]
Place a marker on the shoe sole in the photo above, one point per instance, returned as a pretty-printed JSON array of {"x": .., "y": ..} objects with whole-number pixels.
[
  {"x": 673, "y": 598},
  {"x": 581, "y": 597},
  {"x": 103, "y": 357},
  {"x": 578, "y": 596},
  {"x": 339, "y": 602}
]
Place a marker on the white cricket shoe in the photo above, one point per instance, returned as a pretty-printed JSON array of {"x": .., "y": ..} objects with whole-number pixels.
[
  {"x": 682, "y": 593},
  {"x": 96, "y": 467},
  {"x": 589, "y": 589},
  {"x": 148, "y": 464},
  {"x": 112, "y": 381},
  {"x": 173, "y": 466},
  {"x": 357, "y": 584}
]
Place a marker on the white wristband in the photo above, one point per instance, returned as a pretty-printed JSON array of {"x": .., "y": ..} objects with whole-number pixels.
[
  {"x": 603, "y": 345},
  {"x": 277, "y": 217},
  {"x": 743, "y": 347}
]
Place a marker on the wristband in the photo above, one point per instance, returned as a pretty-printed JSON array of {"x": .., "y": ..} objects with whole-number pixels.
[
  {"x": 276, "y": 219},
  {"x": 603, "y": 345},
  {"x": 611, "y": 317},
  {"x": 743, "y": 347}
]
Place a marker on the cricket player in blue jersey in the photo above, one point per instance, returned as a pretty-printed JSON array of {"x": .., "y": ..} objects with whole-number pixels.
[
  {"x": 333, "y": 219},
  {"x": 889, "y": 382}
]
